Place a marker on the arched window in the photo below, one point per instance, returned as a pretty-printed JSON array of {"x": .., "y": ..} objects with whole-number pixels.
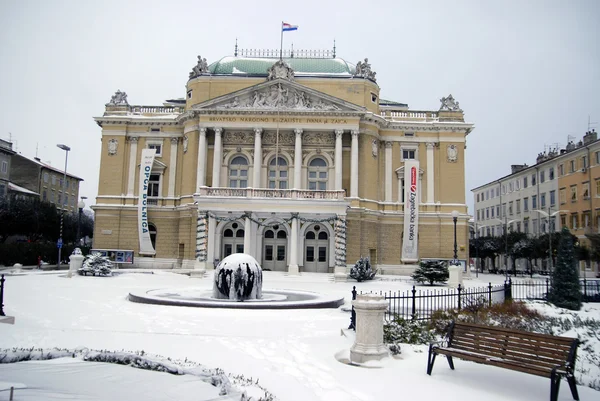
[
  {"x": 238, "y": 172},
  {"x": 317, "y": 175},
  {"x": 152, "y": 231},
  {"x": 278, "y": 173}
]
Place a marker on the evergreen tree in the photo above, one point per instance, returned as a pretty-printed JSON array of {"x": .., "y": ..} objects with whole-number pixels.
[
  {"x": 431, "y": 271},
  {"x": 362, "y": 271},
  {"x": 565, "y": 291}
]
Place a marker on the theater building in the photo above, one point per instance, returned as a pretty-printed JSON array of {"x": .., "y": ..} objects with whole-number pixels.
[{"x": 296, "y": 161}]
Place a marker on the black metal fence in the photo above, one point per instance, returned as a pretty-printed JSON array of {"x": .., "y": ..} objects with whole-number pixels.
[
  {"x": 420, "y": 304},
  {"x": 538, "y": 290}
]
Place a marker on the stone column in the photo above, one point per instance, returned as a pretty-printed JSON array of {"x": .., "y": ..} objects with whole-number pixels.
[
  {"x": 201, "y": 176},
  {"x": 339, "y": 273},
  {"x": 133, "y": 141},
  {"x": 257, "y": 157},
  {"x": 298, "y": 159},
  {"x": 338, "y": 159},
  {"x": 388, "y": 171},
  {"x": 210, "y": 251},
  {"x": 217, "y": 158},
  {"x": 247, "y": 236},
  {"x": 430, "y": 177},
  {"x": 293, "y": 268},
  {"x": 172, "y": 167},
  {"x": 368, "y": 345},
  {"x": 354, "y": 165}
]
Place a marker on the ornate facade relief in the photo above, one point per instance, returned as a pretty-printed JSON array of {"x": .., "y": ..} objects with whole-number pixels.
[
  {"x": 243, "y": 138},
  {"x": 452, "y": 153},
  {"x": 363, "y": 69},
  {"x": 200, "y": 68},
  {"x": 280, "y": 70},
  {"x": 118, "y": 99},
  {"x": 449, "y": 104},
  {"x": 113, "y": 144}
]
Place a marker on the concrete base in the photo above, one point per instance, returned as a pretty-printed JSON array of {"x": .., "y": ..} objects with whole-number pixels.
[{"x": 456, "y": 276}]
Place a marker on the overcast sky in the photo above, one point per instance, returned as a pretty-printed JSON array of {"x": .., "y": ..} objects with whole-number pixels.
[{"x": 527, "y": 73}]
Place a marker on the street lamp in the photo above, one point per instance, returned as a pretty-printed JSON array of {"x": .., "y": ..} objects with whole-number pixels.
[
  {"x": 80, "y": 205},
  {"x": 455, "y": 219},
  {"x": 62, "y": 210},
  {"x": 548, "y": 216}
]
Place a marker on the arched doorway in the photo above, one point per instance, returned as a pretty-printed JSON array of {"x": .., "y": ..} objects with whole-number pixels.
[
  {"x": 233, "y": 239},
  {"x": 274, "y": 249},
  {"x": 316, "y": 249}
]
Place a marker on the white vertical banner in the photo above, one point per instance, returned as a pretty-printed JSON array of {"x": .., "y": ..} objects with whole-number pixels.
[
  {"x": 144, "y": 233},
  {"x": 410, "y": 241}
]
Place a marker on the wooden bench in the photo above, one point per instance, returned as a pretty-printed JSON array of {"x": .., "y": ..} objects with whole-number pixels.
[{"x": 536, "y": 354}]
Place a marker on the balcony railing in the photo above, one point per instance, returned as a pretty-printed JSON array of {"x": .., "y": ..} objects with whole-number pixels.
[{"x": 271, "y": 193}]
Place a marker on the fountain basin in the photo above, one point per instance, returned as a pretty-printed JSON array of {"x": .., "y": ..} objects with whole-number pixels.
[{"x": 271, "y": 299}]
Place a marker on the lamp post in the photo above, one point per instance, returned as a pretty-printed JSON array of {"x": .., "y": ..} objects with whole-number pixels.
[
  {"x": 62, "y": 210},
  {"x": 550, "y": 217},
  {"x": 80, "y": 205},
  {"x": 455, "y": 219}
]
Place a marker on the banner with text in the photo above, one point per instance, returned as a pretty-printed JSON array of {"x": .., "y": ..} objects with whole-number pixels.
[
  {"x": 410, "y": 242},
  {"x": 144, "y": 233}
]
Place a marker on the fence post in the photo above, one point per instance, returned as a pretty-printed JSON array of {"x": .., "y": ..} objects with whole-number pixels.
[
  {"x": 459, "y": 289},
  {"x": 547, "y": 289},
  {"x": 2, "y": 280},
  {"x": 353, "y": 314},
  {"x": 490, "y": 294},
  {"x": 413, "y": 302}
]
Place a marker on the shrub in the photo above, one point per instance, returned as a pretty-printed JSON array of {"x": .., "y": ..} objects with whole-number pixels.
[
  {"x": 431, "y": 271},
  {"x": 97, "y": 265},
  {"x": 362, "y": 271}
]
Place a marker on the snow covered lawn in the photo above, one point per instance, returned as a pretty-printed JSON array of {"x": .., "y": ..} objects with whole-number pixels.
[{"x": 291, "y": 352}]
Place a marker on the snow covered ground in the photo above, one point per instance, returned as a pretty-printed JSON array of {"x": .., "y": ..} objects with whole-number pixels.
[{"x": 291, "y": 352}]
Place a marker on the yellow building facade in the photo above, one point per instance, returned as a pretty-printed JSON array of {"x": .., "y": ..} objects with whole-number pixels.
[{"x": 296, "y": 161}]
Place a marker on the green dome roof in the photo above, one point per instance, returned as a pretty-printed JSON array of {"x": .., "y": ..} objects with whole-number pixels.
[{"x": 250, "y": 66}]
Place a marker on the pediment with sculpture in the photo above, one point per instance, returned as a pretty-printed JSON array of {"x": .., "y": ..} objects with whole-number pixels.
[{"x": 279, "y": 94}]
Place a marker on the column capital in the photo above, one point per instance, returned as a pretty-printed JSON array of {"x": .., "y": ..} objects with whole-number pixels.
[
  {"x": 218, "y": 130},
  {"x": 298, "y": 131},
  {"x": 355, "y": 132},
  {"x": 339, "y": 133},
  {"x": 133, "y": 139},
  {"x": 388, "y": 144},
  {"x": 174, "y": 140},
  {"x": 202, "y": 130},
  {"x": 430, "y": 145},
  {"x": 258, "y": 131}
]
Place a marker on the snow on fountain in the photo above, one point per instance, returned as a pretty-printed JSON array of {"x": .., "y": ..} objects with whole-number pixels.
[{"x": 238, "y": 278}]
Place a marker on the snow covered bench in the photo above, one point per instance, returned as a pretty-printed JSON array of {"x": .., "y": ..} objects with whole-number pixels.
[{"x": 536, "y": 354}]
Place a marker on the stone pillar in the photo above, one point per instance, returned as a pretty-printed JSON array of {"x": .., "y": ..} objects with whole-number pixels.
[
  {"x": 257, "y": 157},
  {"x": 172, "y": 167},
  {"x": 201, "y": 175},
  {"x": 298, "y": 159},
  {"x": 133, "y": 141},
  {"x": 430, "y": 171},
  {"x": 247, "y": 236},
  {"x": 338, "y": 159},
  {"x": 75, "y": 262},
  {"x": 368, "y": 345},
  {"x": 354, "y": 165},
  {"x": 210, "y": 249},
  {"x": 339, "y": 273},
  {"x": 293, "y": 268},
  {"x": 388, "y": 171},
  {"x": 217, "y": 158}
]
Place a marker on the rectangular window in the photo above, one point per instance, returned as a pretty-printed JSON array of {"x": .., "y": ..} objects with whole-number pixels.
[
  {"x": 534, "y": 202},
  {"x": 518, "y": 205},
  {"x": 552, "y": 198},
  {"x": 561, "y": 170},
  {"x": 543, "y": 200},
  {"x": 562, "y": 194},
  {"x": 586, "y": 190},
  {"x": 533, "y": 179},
  {"x": 408, "y": 154},
  {"x": 573, "y": 193},
  {"x": 551, "y": 173},
  {"x": 542, "y": 176},
  {"x": 525, "y": 204}
]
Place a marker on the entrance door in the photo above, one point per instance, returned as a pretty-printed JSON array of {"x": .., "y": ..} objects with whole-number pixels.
[
  {"x": 316, "y": 250},
  {"x": 274, "y": 249},
  {"x": 233, "y": 240}
]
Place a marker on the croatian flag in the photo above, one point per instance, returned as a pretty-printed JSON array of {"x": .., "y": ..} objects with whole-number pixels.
[{"x": 288, "y": 27}]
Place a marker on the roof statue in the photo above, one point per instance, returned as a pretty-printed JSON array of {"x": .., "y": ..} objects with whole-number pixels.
[
  {"x": 280, "y": 70},
  {"x": 363, "y": 69},
  {"x": 119, "y": 99},
  {"x": 449, "y": 104},
  {"x": 200, "y": 68}
]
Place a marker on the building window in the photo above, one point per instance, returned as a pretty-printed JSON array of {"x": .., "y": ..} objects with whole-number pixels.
[
  {"x": 525, "y": 204},
  {"x": 551, "y": 173},
  {"x": 543, "y": 200},
  {"x": 518, "y": 205},
  {"x": 534, "y": 202},
  {"x": 156, "y": 146},
  {"x": 561, "y": 170},
  {"x": 571, "y": 166},
  {"x": 542, "y": 176},
  {"x": 317, "y": 175},
  {"x": 278, "y": 173},
  {"x": 533, "y": 179},
  {"x": 586, "y": 190},
  {"x": 238, "y": 172},
  {"x": 153, "y": 185},
  {"x": 409, "y": 154},
  {"x": 562, "y": 194},
  {"x": 552, "y": 198},
  {"x": 573, "y": 193}
]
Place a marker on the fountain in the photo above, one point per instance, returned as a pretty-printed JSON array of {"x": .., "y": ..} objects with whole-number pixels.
[{"x": 237, "y": 283}]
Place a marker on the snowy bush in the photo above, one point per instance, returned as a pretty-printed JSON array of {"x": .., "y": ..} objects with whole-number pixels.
[
  {"x": 362, "y": 271},
  {"x": 431, "y": 271},
  {"x": 96, "y": 265}
]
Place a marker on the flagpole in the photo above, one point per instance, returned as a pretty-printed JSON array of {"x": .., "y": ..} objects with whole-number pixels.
[{"x": 281, "y": 45}]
